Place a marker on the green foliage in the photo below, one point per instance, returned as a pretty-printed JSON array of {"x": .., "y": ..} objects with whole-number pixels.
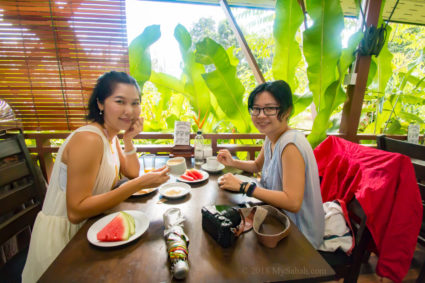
[
  {"x": 140, "y": 63},
  {"x": 216, "y": 78},
  {"x": 214, "y": 93},
  {"x": 395, "y": 97},
  {"x": 223, "y": 82},
  {"x": 322, "y": 46},
  {"x": 327, "y": 63},
  {"x": 288, "y": 19}
]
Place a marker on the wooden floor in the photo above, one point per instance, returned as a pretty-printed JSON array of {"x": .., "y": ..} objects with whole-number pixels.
[{"x": 368, "y": 275}]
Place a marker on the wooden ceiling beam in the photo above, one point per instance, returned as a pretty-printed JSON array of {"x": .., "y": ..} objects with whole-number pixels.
[
  {"x": 242, "y": 42},
  {"x": 355, "y": 93}
]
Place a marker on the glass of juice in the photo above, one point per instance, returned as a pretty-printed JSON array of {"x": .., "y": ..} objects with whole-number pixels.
[{"x": 148, "y": 162}]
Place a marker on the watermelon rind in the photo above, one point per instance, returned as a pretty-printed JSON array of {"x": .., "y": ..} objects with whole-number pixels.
[{"x": 131, "y": 222}]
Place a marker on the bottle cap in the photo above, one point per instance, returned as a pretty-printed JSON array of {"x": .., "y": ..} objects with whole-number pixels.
[
  {"x": 199, "y": 132},
  {"x": 180, "y": 269}
]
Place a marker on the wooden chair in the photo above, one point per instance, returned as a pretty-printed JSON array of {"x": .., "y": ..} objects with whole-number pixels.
[
  {"x": 21, "y": 194},
  {"x": 416, "y": 153},
  {"x": 348, "y": 267}
]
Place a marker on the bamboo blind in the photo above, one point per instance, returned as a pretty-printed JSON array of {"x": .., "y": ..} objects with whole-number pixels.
[{"x": 52, "y": 52}]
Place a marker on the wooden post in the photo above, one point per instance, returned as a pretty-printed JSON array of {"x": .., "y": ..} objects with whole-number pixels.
[
  {"x": 242, "y": 42},
  {"x": 355, "y": 93}
]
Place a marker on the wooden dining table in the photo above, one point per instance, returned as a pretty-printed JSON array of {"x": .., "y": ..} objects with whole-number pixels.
[{"x": 146, "y": 259}]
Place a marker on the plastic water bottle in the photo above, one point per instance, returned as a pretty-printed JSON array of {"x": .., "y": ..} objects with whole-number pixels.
[{"x": 199, "y": 148}]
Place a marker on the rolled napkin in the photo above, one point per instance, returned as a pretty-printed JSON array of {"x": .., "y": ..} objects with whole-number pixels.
[{"x": 177, "y": 242}]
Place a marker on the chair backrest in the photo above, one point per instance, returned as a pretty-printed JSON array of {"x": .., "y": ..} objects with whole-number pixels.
[
  {"x": 21, "y": 188},
  {"x": 416, "y": 153}
]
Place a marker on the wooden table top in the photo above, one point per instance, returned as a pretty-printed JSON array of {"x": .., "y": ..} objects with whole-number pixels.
[{"x": 146, "y": 259}]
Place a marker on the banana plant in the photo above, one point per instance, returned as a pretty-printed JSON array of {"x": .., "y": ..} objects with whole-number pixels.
[
  {"x": 394, "y": 110},
  {"x": 327, "y": 62},
  {"x": 191, "y": 85},
  {"x": 287, "y": 54},
  {"x": 289, "y": 17},
  {"x": 223, "y": 83},
  {"x": 138, "y": 52},
  {"x": 199, "y": 96},
  {"x": 389, "y": 106}
]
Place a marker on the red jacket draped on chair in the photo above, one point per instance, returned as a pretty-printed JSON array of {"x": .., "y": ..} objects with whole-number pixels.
[{"x": 385, "y": 185}]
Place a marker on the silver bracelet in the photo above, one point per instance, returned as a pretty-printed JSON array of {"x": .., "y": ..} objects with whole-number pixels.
[{"x": 133, "y": 151}]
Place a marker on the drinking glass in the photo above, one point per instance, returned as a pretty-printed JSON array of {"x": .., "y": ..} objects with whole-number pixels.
[{"x": 148, "y": 162}]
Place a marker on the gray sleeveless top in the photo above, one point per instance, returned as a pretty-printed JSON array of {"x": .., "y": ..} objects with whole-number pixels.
[{"x": 310, "y": 219}]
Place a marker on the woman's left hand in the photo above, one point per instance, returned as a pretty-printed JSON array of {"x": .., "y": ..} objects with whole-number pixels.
[
  {"x": 230, "y": 182},
  {"x": 134, "y": 129}
]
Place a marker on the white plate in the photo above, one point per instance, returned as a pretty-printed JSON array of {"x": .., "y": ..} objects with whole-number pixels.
[
  {"x": 243, "y": 178},
  {"x": 174, "y": 190},
  {"x": 205, "y": 176},
  {"x": 212, "y": 170},
  {"x": 144, "y": 192},
  {"x": 141, "y": 223}
]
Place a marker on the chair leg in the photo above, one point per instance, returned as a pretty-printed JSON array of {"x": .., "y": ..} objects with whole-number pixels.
[
  {"x": 421, "y": 277},
  {"x": 366, "y": 256},
  {"x": 360, "y": 254}
]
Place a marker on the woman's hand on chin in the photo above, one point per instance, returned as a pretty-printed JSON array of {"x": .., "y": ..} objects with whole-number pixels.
[{"x": 135, "y": 128}]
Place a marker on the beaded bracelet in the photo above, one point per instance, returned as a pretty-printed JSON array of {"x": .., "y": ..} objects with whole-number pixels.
[
  {"x": 242, "y": 188},
  {"x": 133, "y": 151},
  {"x": 251, "y": 189}
]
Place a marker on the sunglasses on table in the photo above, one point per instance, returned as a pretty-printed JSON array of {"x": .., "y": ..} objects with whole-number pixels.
[{"x": 268, "y": 111}]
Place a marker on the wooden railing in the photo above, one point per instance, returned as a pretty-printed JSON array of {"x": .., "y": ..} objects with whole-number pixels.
[
  {"x": 249, "y": 143},
  {"x": 44, "y": 148}
]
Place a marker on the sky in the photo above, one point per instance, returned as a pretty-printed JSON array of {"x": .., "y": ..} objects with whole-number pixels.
[{"x": 141, "y": 14}]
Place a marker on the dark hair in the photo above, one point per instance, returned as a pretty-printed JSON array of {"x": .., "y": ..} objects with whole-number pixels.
[
  {"x": 104, "y": 88},
  {"x": 280, "y": 90}
]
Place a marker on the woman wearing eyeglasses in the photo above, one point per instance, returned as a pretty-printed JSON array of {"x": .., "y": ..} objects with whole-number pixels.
[{"x": 289, "y": 174}]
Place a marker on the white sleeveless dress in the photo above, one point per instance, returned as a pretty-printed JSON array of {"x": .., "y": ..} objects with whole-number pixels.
[{"x": 52, "y": 230}]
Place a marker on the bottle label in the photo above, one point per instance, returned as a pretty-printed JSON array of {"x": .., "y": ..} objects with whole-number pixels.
[{"x": 199, "y": 153}]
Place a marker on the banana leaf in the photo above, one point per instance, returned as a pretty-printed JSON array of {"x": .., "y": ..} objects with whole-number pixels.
[
  {"x": 418, "y": 83},
  {"x": 139, "y": 55},
  {"x": 409, "y": 117},
  {"x": 168, "y": 81},
  {"x": 394, "y": 127},
  {"x": 322, "y": 121},
  {"x": 195, "y": 87},
  {"x": 334, "y": 95},
  {"x": 223, "y": 82},
  {"x": 301, "y": 102},
  {"x": 410, "y": 69},
  {"x": 289, "y": 17},
  {"x": 322, "y": 46},
  {"x": 412, "y": 99}
]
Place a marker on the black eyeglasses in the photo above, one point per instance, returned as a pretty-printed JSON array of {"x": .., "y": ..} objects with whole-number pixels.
[{"x": 268, "y": 111}]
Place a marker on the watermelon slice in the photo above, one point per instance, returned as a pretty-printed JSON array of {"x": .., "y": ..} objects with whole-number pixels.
[
  {"x": 119, "y": 229},
  {"x": 197, "y": 174},
  {"x": 190, "y": 174}
]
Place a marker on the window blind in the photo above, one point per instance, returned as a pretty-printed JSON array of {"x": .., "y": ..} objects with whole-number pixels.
[{"x": 52, "y": 52}]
